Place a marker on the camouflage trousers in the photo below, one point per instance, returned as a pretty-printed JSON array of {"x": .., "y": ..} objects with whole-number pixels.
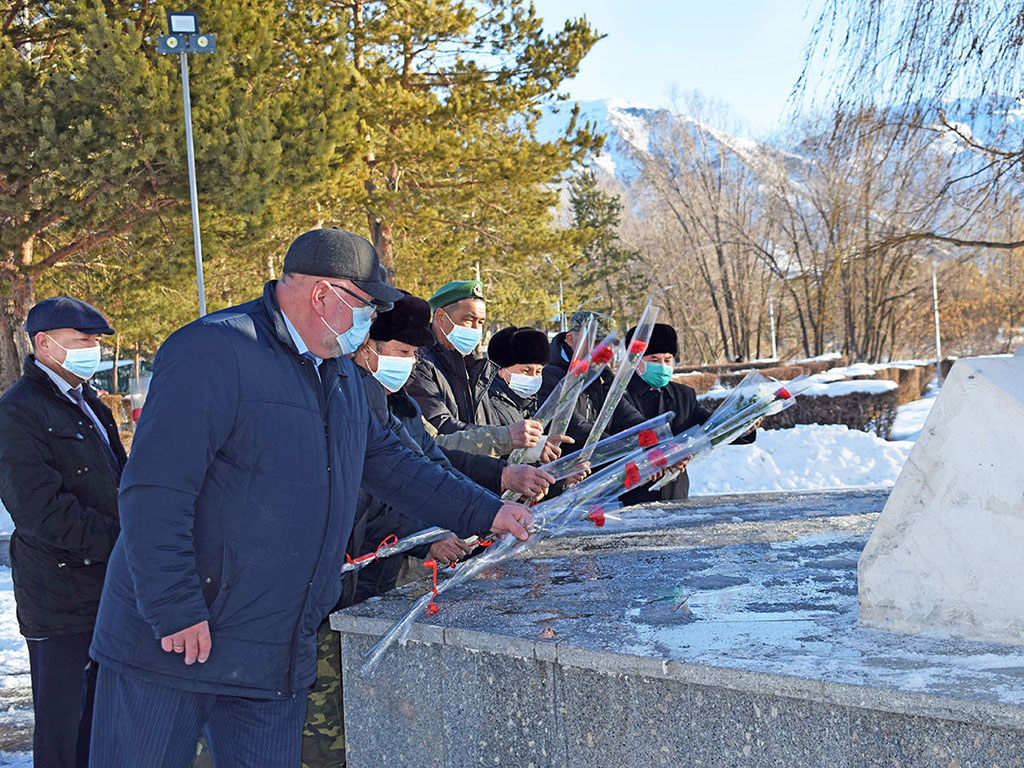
[{"x": 323, "y": 737}]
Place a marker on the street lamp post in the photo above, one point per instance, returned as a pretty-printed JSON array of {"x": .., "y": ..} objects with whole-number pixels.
[
  {"x": 938, "y": 336},
  {"x": 185, "y": 38}
]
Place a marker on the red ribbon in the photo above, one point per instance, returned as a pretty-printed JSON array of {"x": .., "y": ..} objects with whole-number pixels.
[
  {"x": 389, "y": 541},
  {"x": 783, "y": 393},
  {"x": 602, "y": 355},
  {"x": 647, "y": 438},
  {"x": 638, "y": 347},
  {"x": 632, "y": 475},
  {"x": 432, "y": 607},
  {"x": 579, "y": 368},
  {"x": 596, "y": 516},
  {"x": 657, "y": 457}
]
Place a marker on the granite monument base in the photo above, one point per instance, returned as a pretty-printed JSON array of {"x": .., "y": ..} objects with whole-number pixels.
[{"x": 717, "y": 632}]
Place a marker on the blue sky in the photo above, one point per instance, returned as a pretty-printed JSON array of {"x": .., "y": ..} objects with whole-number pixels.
[{"x": 745, "y": 53}]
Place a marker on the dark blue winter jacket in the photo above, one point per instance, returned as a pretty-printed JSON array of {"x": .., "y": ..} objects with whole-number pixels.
[{"x": 237, "y": 502}]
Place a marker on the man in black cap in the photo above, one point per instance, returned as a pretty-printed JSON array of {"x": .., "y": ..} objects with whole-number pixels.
[
  {"x": 60, "y": 465},
  {"x": 236, "y": 506},
  {"x": 652, "y": 392},
  {"x": 384, "y": 361}
]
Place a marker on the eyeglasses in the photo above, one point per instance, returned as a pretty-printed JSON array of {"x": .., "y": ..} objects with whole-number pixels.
[{"x": 363, "y": 302}]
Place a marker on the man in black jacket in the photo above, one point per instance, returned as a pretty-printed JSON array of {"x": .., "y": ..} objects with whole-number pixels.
[
  {"x": 652, "y": 392},
  {"x": 60, "y": 465},
  {"x": 520, "y": 354},
  {"x": 588, "y": 406},
  {"x": 451, "y": 385}
]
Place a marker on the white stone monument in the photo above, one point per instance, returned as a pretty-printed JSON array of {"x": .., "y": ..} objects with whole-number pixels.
[{"x": 947, "y": 553}]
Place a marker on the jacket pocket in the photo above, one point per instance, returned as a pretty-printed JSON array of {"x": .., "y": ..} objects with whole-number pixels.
[
  {"x": 217, "y": 587},
  {"x": 67, "y": 442}
]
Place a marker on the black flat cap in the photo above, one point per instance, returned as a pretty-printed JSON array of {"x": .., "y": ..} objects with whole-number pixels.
[
  {"x": 333, "y": 252},
  {"x": 66, "y": 312},
  {"x": 663, "y": 339},
  {"x": 518, "y": 346},
  {"x": 408, "y": 322}
]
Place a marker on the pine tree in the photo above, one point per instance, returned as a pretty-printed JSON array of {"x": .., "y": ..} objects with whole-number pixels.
[
  {"x": 413, "y": 121},
  {"x": 92, "y": 156},
  {"x": 606, "y": 276},
  {"x": 455, "y": 180}
]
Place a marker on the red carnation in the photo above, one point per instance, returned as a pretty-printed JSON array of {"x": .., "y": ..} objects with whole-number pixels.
[
  {"x": 647, "y": 438},
  {"x": 596, "y": 516},
  {"x": 783, "y": 393},
  {"x": 578, "y": 368},
  {"x": 657, "y": 457},
  {"x": 632, "y": 475},
  {"x": 602, "y": 354},
  {"x": 638, "y": 347}
]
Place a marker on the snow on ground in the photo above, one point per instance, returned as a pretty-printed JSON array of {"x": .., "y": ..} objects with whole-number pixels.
[
  {"x": 13, "y": 653},
  {"x": 910, "y": 417},
  {"x": 6, "y": 525},
  {"x": 805, "y": 457}
]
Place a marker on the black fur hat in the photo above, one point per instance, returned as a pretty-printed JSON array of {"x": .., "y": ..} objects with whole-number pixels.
[
  {"x": 663, "y": 339},
  {"x": 518, "y": 346},
  {"x": 408, "y": 321}
]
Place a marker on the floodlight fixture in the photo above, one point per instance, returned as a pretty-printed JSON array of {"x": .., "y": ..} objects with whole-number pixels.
[{"x": 182, "y": 22}]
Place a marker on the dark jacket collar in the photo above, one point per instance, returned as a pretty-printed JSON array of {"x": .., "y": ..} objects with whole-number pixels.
[
  {"x": 275, "y": 317},
  {"x": 640, "y": 388},
  {"x": 561, "y": 352},
  {"x": 36, "y": 374},
  {"x": 500, "y": 388}
]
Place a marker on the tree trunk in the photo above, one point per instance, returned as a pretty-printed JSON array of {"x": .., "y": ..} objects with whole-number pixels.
[{"x": 16, "y": 297}]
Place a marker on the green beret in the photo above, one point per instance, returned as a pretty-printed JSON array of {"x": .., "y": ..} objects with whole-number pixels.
[{"x": 457, "y": 290}]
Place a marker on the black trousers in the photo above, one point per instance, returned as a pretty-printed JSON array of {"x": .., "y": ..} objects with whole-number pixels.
[{"x": 63, "y": 687}]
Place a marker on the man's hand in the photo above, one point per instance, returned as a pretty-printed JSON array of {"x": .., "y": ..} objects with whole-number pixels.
[
  {"x": 449, "y": 550},
  {"x": 526, "y": 480},
  {"x": 514, "y": 519},
  {"x": 193, "y": 641},
  {"x": 552, "y": 450},
  {"x": 526, "y": 433},
  {"x": 578, "y": 476}
]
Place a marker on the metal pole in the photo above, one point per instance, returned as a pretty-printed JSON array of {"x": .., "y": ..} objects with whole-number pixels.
[
  {"x": 562, "y": 325},
  {"x": 938, "y": 338},
  {"x": 771, "y": 320},
  {"x": 196, "y": 242}
]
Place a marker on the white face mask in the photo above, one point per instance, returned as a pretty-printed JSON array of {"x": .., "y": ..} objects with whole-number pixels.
[
  {"x": 464, "y": 339},
  {"x": 523, "y": 385},
  {"x": 393, "y": 371},
  {"x": 82, "y": 362},
  {"x": 362, "y": 319}
]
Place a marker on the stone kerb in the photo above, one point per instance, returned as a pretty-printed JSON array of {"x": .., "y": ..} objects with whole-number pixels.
[{"x": 945, "y": 555}]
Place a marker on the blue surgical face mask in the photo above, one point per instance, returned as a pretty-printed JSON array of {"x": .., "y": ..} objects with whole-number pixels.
[
  {"x": 362, "y": 319},
  {"x": 523, "y": 385},
  {"x": 393, "y": 371},
  {"x": 464, "y": 339},
  {"x": 81, "y": 362},
  {"x": 657, "y": 374}
]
